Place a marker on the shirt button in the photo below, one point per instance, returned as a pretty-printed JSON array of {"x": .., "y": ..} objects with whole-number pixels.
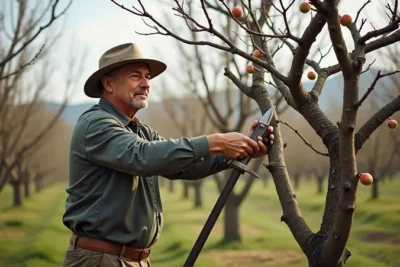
[{"x": 201, "y": 159}]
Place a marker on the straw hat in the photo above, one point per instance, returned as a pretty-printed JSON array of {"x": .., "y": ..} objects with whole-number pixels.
[{"x": 116, "y": 57}]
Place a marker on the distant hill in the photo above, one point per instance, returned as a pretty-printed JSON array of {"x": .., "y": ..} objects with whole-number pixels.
[{"x": 332, "y": 92}]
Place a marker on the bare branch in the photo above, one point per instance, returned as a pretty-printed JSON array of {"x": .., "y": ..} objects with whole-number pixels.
[
  {"x": 375, "y": 121},
  {"x": 378, "y": 76},
  {"x": 326, "y": 154},
  {"x": 388, "y": 29},
  {"x": 23, "y": 66},
  {"x": 359, "y": 12},
  {"x": 53, "y": 17}
]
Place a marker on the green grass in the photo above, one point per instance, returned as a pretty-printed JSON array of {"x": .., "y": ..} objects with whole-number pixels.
[{"x": 33, "y": 235}]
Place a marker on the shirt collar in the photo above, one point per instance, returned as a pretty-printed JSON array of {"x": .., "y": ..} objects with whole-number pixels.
[{"x": 109, "y": 107}]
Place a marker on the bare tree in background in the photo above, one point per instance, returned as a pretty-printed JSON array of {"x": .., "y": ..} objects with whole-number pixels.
[
  {"x": 187, "y": 115},
  {"x": 300, "y": 161},
  {"x": 26, "y": 68},
  {"x": 378, "y": 157},
  {"x": 227, "y": 109},
  {"x": 343, "y": 140}
]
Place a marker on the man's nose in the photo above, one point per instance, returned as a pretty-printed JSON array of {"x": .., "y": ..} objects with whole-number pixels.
[{"x": 144, "y": 83}]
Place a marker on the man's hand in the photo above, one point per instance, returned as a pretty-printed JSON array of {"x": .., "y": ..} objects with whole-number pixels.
[
  {"x": 262, "y": 141},
  {"x": 238, "y": 146}
]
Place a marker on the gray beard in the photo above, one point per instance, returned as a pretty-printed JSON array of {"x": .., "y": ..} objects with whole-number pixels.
[{"x": 139, "y": 104}]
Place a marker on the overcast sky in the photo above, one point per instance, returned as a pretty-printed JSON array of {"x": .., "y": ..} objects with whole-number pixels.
[{"x": 103, "y": 25}]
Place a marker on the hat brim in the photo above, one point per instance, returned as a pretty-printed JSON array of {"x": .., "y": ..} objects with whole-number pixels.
[{"x": 93, "y": 87}]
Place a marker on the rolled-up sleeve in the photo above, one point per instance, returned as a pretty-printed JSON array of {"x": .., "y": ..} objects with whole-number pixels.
[{"x": 108, "y": 143}]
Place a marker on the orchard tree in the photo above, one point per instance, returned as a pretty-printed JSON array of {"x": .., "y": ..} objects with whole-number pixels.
[
  {"x": 222, "y": 105},
  {"x": 301, "y": 162},
  {"x": 343, "y": 139},
  {"x": 27, "y": 64},
  {"x": 378, "y": 157},
  {"x": 187, "y": 116}
]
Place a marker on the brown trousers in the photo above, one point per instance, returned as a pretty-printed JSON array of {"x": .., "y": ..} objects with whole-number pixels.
[{"x": 80, "y": 257}]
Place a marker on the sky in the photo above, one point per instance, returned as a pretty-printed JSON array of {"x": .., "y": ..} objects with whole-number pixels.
[{"x": 91, "y": 29}]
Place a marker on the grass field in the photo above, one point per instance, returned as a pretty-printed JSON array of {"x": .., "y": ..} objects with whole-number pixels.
[{"x": 33, "y": 235}]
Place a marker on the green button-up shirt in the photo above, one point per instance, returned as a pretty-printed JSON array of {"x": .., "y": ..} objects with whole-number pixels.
[{"x": 113, "y": 191}]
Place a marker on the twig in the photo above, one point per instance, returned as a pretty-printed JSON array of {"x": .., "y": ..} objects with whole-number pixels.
[
  {"x": 305, "y": 141},
  {"x": 290, "y": 36},
  {"x": 53, "y": 17},
  {"x": 23, "y": 66},
  {"x": 391, "y": 27},
  {"x": 369, "y": 65},
  {"x": 378, "y": 76},
  {"x": 362, "y": 24},
  {"x": 323, "y": 55},
  {"x": 359, "y": 11}
]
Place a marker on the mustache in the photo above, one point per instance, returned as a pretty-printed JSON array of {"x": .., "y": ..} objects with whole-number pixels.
[{"x": 141, "y": 92}]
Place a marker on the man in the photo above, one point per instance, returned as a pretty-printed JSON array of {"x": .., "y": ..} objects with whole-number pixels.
[{"x": 113, "y": 206}]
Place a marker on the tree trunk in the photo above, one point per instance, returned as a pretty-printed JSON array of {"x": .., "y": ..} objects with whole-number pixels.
[
  {"x": 17, "y": 193},
  {"x": 27, "y": 188},
  {"x": 171, "y": 186},
  {"x": 320, "y": 182},
  {"x": 198, "y": 200},
  {"x": 231, "y": 222},
  {"x": 185, "y": 190},
  {"x": 375, "y": 188}
]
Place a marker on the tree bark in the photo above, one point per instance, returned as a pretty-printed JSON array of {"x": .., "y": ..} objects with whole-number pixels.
[
  {"x": 231, "y": 222},
  {"x": 198, "y": 200},
  {"x": 320, "y": 184},
  {"x": 185, "y": 190},
  {"x": 27, "y": 191},
  {"x": 375, "y": 188},
  {"x": 17, "y": 199}
]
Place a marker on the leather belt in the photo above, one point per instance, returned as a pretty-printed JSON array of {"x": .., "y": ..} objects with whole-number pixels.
[{"x": 108, "y": 247}]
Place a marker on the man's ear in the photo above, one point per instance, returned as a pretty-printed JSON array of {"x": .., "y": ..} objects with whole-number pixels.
[{"x": 108, "y": 83}]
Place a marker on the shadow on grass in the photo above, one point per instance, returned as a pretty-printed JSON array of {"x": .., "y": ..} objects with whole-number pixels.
[
  {"x": 171, "y": 253},
  {"x": 173, "y": 247},
  {"x": 13, "y": 223},
  {"x": 20, "y": 259},
  {"x": 225, "y": 244}
]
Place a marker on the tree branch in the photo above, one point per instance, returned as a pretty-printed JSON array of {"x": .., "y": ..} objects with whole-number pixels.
[
  {"x": 304, "y": 140},
  {"x": 300, "y": 56},
  {"x": 53, "y": 17},
  {"x": 375, "y": 121},
  {"x": 378, "y": 76}
]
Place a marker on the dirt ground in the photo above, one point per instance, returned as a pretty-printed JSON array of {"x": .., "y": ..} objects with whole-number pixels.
[
  {"x": 380, "y": 237},
  {"x": 235, "y": 258}
]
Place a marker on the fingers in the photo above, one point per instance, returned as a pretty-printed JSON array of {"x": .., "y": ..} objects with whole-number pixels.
[
  {"x": 253, "y": 145},
  {"x": 261, "y": 144},
  {"x": 252, "y": 127}
]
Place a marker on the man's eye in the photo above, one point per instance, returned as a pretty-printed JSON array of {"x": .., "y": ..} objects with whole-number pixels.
[
  {"x": 135, "y": 76},
  {"x": 148, "y": 77}
]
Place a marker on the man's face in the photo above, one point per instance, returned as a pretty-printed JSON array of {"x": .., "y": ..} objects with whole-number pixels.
[{"x": 131, "y": 85}]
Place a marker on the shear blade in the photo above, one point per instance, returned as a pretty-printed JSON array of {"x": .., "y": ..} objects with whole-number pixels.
[{"x": 244, "y": 168}]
